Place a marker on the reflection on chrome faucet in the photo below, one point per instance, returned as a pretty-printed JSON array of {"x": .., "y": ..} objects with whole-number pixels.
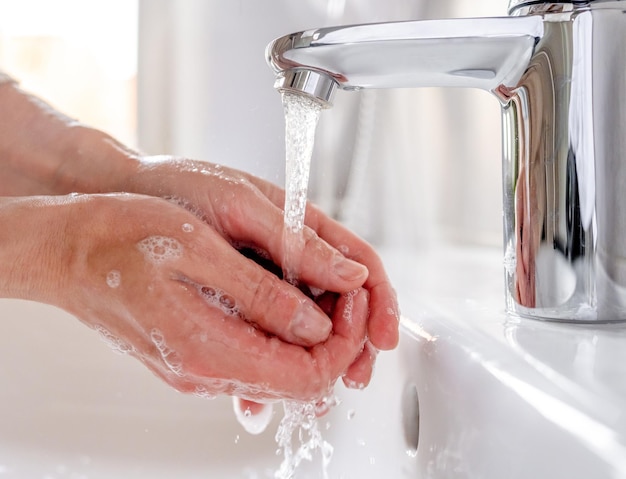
[{"x": 559, "y": 72}]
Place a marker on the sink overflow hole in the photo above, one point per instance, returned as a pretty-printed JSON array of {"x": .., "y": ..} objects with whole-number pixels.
[{"x": 411, "y": 418}]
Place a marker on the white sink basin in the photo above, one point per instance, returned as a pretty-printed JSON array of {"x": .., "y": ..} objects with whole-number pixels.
[
  {"x": 503, "y": 397},
  {"x": 498, "y": 397}
]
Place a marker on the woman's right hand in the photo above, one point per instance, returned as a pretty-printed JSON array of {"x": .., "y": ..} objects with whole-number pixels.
[{"x": 164, "y": 286}]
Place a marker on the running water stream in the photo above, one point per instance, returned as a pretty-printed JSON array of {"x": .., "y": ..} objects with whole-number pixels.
[
  {"x": 301, "y": 117},
  {"x": 298, "y": 436}
]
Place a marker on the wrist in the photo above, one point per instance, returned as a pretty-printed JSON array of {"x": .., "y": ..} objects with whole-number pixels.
[
  {"x": 43, "y": 152},
  {"x": 94, "y": 162}
]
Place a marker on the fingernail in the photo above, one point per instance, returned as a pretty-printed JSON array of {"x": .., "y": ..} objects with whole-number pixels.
[
  {"x": 349, "y": 270},
  {"x": 310, "y": 324}
]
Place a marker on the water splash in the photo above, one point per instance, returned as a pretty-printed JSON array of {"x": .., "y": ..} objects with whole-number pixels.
[
  {"x": 300, "y": 426},
  {"x": 219, "y": 299}
]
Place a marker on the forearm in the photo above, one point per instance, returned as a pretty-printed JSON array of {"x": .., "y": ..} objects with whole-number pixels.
[{"x": 43, "y": 152}]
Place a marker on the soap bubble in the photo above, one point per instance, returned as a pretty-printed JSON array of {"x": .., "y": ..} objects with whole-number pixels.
[
  {"x": 347, "y": 310},
  {"x": 115, "y": 343},
  {"x": 114, "y": 279},
  {"x": 204, "y": 393},
  {"x": 219, "y": 299},
  {"x": 159, "y": 249},
  {"x": 170, "y": 357}
]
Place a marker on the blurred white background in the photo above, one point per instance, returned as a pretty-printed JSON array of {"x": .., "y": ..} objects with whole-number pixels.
[
  {"x": 188, "y": 77},
  {"x": 81, "y": 56}
]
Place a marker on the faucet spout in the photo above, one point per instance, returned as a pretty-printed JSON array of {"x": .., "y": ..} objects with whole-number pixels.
[
  {"x": 319, "y": 86},
  {"x": 480, "y": 53},
  {"x": 559, "y": 72}
]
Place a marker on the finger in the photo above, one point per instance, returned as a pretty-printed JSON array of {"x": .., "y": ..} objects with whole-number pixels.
[
  {"x": 257, "y": 221},
  {"x": 346, "y": 342},
  {"x": 310, "y": 375},
  {"x": 230, "y": 357},
  {"x": 239, "y": 286},
  {"x": 385, "y": 314},
  {"x": 359, "y": 373}
]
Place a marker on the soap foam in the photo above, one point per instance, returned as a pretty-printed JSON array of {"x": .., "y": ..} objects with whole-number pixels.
[
  {"x": 115, "y": 343},
  {"x": 351, "y": 384},
  {"x": 114, "y": 279},
  {"x": 349, "y": 306},
  {"x": 204, "y": 393},
  {"x": 160, "y": 249},
  {"x": 170, "y": 357}
]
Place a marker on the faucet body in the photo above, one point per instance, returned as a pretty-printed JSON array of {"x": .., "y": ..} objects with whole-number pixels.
[{"x": 559, "y": 72}]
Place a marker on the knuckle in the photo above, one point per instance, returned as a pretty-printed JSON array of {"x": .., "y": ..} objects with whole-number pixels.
[
  {"x": 265, "y": 295},
  {"x": 234, "y": 209},
  {"x": 312, "y": 241}
]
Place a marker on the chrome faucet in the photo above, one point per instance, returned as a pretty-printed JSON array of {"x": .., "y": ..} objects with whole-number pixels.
[{"x": 559, "y": 72}]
